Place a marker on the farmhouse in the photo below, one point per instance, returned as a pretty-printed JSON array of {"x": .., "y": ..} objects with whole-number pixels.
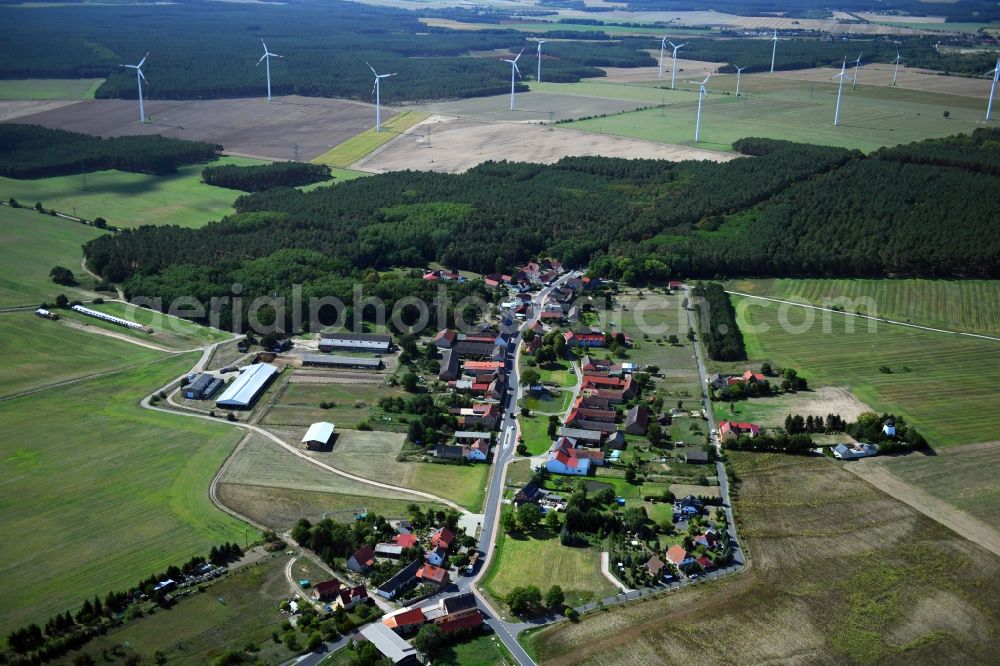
[
  {"x": 457, "y": 603},
  {"x": 246, "y": 388},
  {"x": 326, "y": 590},
  {"x": 637, "y": 421},
  {"x": 655, "y": 567},
  {"x": 731, "y": 430},
  {"x": 202, "y": 387},
  {"x": 565, "y": 458},
  {"x": 405, "y": 620},
  {"x": 349, "y": 597},
  {"x": 406, "y": 577},
  {"x": 407, "y": 540},
  {"x": 329, "y": 342},
  {"x": 449, "y": 365},
  {"x": 465, "y": 619},
  {"x": 574, "y": 339},
  {"x": 357, "y": 362},
  {"x": 854, "y": 451},
  {"x": 319, "y": 436},
  {"x": 442, "y": 538},
  {"x": 680, "y": 557},
  {"x": 437, "y": 556},
  {"x": 391, "y": 646},
  {"x": 363, "y": 560},
  {"x": 435, "y": 575}
]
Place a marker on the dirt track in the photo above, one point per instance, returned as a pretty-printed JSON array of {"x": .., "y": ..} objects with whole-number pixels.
[
  {"x": 874, "y": 472},
  {"x": 458, "y": 144},
  {"x": 246, "y": 126}
]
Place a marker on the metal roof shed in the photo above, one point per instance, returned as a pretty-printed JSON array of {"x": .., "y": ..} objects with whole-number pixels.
[
  {"x": 247, "y": 387},
  {"x": 319, "y": 432}
]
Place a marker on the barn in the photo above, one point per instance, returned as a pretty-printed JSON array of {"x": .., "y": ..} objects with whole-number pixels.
[
  {"x": 245, "y": 390},
  {"x": 329, "y": 342},
  {"x": 357, "y": 362},
  {"x": 319, "y": 436}
]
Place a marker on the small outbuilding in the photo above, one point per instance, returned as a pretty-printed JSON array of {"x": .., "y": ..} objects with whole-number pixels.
[{"x": 319, "y": 437}]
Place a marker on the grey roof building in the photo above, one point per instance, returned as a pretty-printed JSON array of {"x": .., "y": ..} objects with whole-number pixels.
[
  {"x": 202, "y": 387},
  {"x": 252, "y": 381},
  {"x": 354, "y": 342},
  {"x": 360, "y": 362},
  {"x": 392, "y": 647}
]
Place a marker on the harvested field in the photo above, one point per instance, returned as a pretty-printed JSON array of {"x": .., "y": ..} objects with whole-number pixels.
[
  {"x": 533, "y": 106},
  {"x": 458, "y": 144},
  {"x": 856, "y": 585},
  {"x": 771, "y": 411},
  {"x": 691, "y": 69},
  {"x": 9, "y": 110},
  {"x": 248, "y": 127}
]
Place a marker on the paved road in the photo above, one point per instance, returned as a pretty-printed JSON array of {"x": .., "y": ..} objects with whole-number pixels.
[{"x": 706, "y": 404}]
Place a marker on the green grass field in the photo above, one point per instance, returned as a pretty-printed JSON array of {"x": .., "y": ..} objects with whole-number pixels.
[
  {"x": 943, "y": 384},
  {"x": 38, "y": 352},
  {"x": 299, "y": 404},
  {"x": 132, "y": 199},
  {"x": 49, "y": 89},
  {"x": 352, "y": 150},
  {"x": 650, "y": 94},
  {"x": 955, "y": 305},
  {"x": 99, "y": 493},
  {"x": 543, "y": 562},
  {"x": 535, "y": 433},
  {"x": 236, "y": 611},
  {"x": 32, "y": 245},
  {"x": 871, "y": 117},
  {"x": 549, "y": 403},
  {"x": 169, "y": 332}
]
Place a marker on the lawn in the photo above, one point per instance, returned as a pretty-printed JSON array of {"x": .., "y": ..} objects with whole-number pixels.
[
  {"x": 170, "y": 332},
  {"x": 32, "y": 245},
  {"x": 372, "y": 455},
  {"x": 38, "y": 352},
  {"x": 534, "y": 432},
  {"x": 299, "y": 404},
  {"x": 543, "y": 562},
  {"x": 771, "y": 411},
  {"x": 102, "y": 493},
  {"x": 483, "y": 650},
  {"x": 558, "y": 373},
  {"x": 549, "y": 403},
  {"x": 885, "y": 584},
  {"x": 236, "y": 611},
  {"x": 352, "y": 150},
  {"x": 944, "y": 384},
  {"x": 49, "y": 89},
  {"x": 871, "y": 117},
  {"x": 955, "y": 305},
  {"x": 132, "y": 199}
]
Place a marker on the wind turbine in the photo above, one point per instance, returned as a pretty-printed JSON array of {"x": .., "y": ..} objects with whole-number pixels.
[
  {"x": 663, "y": 47},
  {"x": 840, "y": 88},
  {"x": 702, "y": 93},
  {"x": 673, "y": 61},
  {"x": 377, "y": 89},
  {"x": 739, "y": 72},
  {"x": 139, "y": 78},
  {"x": 267, "y": 57},
  {"x": 538, "y": 76},
  {"x": 513, "y": 70},
  {"x": 996, "y": 74},
  {"x": 857, "y": 68},
  {"x": 774, "y": 49},
  {"x": 895, "y": 72}
]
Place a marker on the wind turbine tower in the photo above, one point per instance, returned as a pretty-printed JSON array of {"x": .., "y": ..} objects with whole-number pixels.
[
  {"x": 857, "y": 69},
  {"x": 702, "y": 93},
  {"x": 266, "y": 59},
  {"x": 663, "y": 47},
  {"x": 673, "y": 62},
  {"x": 377, "y": 89},
  {"x": 139, "y": 78},
  {"x": 895, "y": 72},
  {"x": 774, "y": 49},
  {"x": 840, "y": 89},
  {"x": 996, "y": 74},
  {"x": 538, "y": 76},
  {"x": 739, "y": 72},
  {"x": 513, "y": 70}
]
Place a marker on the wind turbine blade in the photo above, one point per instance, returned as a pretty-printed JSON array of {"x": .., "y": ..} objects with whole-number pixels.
[
  {"x": 682, "y": 45},
  {"x": 262, "y": 58},
  {"x": 141, "y": 75},
  {"x": 143, "y": 61},
  {"x": 518, "y": 55},
  {"x": 371, "y": 68},
  {"x": 516, "y": 69}
]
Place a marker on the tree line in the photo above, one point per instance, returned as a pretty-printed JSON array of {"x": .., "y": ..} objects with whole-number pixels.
[
  {"x": 723, "y": 339},
  {"x": 33, "y": 151},
  {"x": 265, "y": 176},
  {"x": 210, "y": 50}
]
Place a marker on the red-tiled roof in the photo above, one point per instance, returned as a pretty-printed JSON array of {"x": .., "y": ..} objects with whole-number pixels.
[
  {"x": 365, "y": 555},
  {"x": 405, "y": 619},
  {"x": 406, "y": 540},
  {"x": 432, "y": 573},
  {"x": 676, "y": 554},
  {"x": 460, "y": 620},
  {"x": 443, "y": 537}
]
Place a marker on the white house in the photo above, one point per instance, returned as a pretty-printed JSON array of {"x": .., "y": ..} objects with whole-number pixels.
[{"x": 854, "y": 451}]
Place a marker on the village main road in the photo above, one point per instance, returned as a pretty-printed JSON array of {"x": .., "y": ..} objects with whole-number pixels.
[{"x": 706, "y": 404}]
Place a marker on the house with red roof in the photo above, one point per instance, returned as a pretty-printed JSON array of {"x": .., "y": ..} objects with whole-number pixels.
[
  {"x": 705, "y": 563},
  {"x": 363, "y": 560},
  {"x": 326, "y": 590},
  {"x": 443, "y": 537},
  {"x": 680, "y": 557},
  {"x": 408, "y": 540},
  {"x": 435, "y": 575},
  {"x": 730, "y": 430},
  {"x": 574, "y": 339},
  {"x": 751, "y": 376},
  {"x": 349, "y": 597},
  {"x": 445, "y": 339},
  {"x": 405, "y": 621},
  {"x": 470, "y": 618}
]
